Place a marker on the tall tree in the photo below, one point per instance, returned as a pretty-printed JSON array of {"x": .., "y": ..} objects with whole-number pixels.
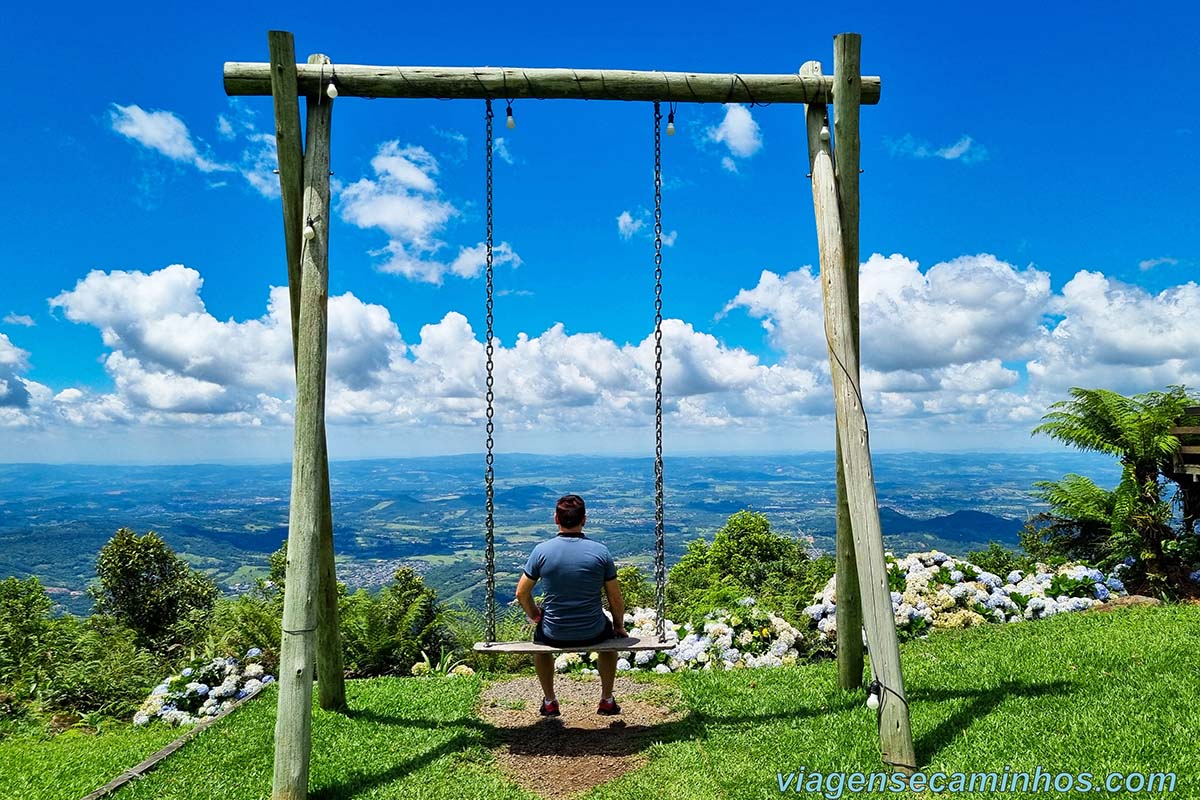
[{"x": 1134, "y": 519}]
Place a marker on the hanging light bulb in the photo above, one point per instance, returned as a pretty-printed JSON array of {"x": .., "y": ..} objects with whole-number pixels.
[
  {"x": 510, "y": 123},
  {"x": 872, "y": 701},
  {"x": 671, "y": 124},
  {"x": 309, "y": 231},
  {"x": 824, "y": 133},
  {"x": 331, "y": 90}
]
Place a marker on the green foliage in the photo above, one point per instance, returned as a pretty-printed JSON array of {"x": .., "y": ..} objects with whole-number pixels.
[
  {"x": 1000, "y": 560},
  {"x": 385, "y": 633},
  {"x": 1071, "y": 587},
  {"x": 1131, "y": 522},
  {"x": 145, "y": 585},
  {"x": 96, "y": 664},
  {"x": 746, "y": 558},
  {"x": 24, "y": 627},
  {"x": 239, "y": 623},
  {"x": 467, "y": 626},
  {"x": 635, "y": 589},
  {"x": 897, "y": 578}
]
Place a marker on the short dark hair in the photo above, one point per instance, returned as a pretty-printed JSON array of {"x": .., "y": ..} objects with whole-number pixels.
[{"x": 570, "y": 510}]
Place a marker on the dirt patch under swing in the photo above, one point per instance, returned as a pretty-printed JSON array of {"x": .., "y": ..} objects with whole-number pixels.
[{"x": 560, "y": 757}]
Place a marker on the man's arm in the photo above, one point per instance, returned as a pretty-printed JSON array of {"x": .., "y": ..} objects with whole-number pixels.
[
  {"x": 525, "y": 597},
  {"x": 616, "y": 604}
]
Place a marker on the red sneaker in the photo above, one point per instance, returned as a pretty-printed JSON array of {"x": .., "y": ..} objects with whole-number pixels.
[
  {"x": 608, "y": 707},
  {"x": 549, "y": 709}
]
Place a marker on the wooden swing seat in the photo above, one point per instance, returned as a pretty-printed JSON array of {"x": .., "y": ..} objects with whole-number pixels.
[{"x": 615, "y": 644}]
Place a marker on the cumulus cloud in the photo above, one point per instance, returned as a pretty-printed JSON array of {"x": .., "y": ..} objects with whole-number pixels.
[
  {"x": 172, "y": 362},
  {"x": 959, "y": 311},
  {"x": 404, "y": 201},
  {"x": 1120, "y": 336},
  {"x": 24, "y": 320},
  {"x": 163, "y": 132},
  {"x": 973, "y": 341},
  {"x": 738, "y": 131},
  {"x": 966, "y": 149}
]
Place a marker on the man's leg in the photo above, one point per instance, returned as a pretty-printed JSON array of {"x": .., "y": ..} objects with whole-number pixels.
[
  {"x": 607, "y": 666},
  {"x": 544, "y": 664}
]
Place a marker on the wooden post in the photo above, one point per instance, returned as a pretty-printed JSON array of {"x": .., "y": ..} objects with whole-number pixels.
[
  {"x": 895, "y": 732},
  {"x": 331, "y": 684},
  {"x": 302, "y": 592},
  {"x": 846, "y": 91}
]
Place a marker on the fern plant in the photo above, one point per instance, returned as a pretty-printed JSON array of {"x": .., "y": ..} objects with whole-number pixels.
[{"x": 1131, "y": 522}]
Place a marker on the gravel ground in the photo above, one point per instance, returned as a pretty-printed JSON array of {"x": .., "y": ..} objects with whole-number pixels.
[{"x": 565, "y": 756}]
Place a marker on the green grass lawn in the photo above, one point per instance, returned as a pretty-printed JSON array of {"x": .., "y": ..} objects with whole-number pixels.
[{"x": 1106, "y": 692}]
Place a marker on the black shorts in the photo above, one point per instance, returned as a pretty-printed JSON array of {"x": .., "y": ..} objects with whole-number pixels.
[{"x": 603, "y": 636}]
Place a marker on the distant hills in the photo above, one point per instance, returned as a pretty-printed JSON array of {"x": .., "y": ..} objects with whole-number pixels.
[{"x": 428, "y": 513}]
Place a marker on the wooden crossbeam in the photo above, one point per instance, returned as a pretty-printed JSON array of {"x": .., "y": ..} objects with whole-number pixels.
[
  {"x": 616, "y": 644},
  {"x": 511, "y": 83}
]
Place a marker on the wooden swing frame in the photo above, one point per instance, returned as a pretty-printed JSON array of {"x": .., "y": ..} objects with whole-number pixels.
[{"x": 311, "y": 641}]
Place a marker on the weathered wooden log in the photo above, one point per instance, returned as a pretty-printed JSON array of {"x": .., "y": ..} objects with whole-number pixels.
[
  {"x": 302, "y": 591},
  {"x": 846, "y": 61},
  {"x": 331, "y": 687},
  {"x": 895, "y": 732},
  {"x": 357, "y": 80}
]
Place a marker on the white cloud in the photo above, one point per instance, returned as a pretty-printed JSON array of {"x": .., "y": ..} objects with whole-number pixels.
[
  {"x": 966, "y": 149},
  {"x": 971, "y": 308},
  {"x": 500, "y": 148},
  {"x": 1151, "y": 263},
  {"x": 738, "y": 131},
  {"x": 23, "y": 320},
  {"x": 163, "y": 132},
  {"x": 627, "y": 225},
  {"x": 404, "y": 201},
  {"x": 1120, "y": 336},
  {"x": 728, "y": 164},
  {"x": 972, "y": 344}
]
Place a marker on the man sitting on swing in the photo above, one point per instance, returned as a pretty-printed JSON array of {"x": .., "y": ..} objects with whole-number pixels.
[{"x": 573, "y": 568}]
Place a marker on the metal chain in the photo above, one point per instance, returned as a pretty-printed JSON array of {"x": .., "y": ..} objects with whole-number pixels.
[
  {"x": 660, "y": 569},
  {"x": 489, "y": 472}
]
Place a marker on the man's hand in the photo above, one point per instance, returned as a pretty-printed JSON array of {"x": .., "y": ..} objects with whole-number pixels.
[
  {"x": 619, "y": 630},
  {"x": 536, "y": 616}
]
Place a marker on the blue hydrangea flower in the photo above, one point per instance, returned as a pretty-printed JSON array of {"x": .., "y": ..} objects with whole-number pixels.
[
  {"x": 1101, "y": 591},
  {"x": 1115, "y": 584},
  {"x": 187, "y": 673},
  {"x": 253, "y": 652},
  {"x": 268, "y": 679}
]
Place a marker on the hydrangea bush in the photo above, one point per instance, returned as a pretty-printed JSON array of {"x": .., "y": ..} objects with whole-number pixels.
[
  {"x": 934, "y": 590},
  {"x": 747, "y": 636},
  {"x": 205, "y": 690}
]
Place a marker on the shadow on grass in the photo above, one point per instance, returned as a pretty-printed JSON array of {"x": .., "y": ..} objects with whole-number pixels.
[
  {"x": 551, "y": 737},
  {"x": 980, "y": 703}
]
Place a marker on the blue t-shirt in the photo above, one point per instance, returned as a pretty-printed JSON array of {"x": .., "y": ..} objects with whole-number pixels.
[{"x": 572, "y": 569}]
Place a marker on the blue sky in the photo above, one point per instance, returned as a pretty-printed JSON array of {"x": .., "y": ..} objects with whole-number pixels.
[{"x": 1029, "y": 190}]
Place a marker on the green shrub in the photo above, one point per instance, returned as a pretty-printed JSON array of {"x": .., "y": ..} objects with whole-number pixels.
[
  {"x": 746, "y": 558},
  {"x": 154, "y": 592},
  {"x": 467, "y": 626},
  {"x": 1000, "y": 560},
  {"x": 636, "y": 590},
  {"x": 96, "y": 665},
  {"x": 24, "y": 625},
  {"x": 384, "y": 633},
  {"x": 239, "y": 623}
]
